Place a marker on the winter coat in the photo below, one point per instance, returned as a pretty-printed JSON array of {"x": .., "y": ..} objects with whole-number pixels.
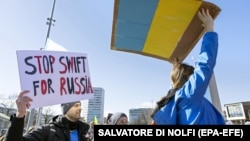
[
  {"x": 189, "y": 106},
  {"x": 56, "y": 130}
]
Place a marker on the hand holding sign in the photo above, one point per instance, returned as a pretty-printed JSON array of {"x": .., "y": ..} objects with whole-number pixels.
[{"x": 23, "y": 103}]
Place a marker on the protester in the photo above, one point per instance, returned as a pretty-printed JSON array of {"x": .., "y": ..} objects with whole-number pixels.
[
  {"x": 66, "y": 127},
  {"x": 185, "y": 103},
  {"x": 118, "y": 118},
  {"x": 108, "y": 118},
  {"x": 90, "y": 134}
]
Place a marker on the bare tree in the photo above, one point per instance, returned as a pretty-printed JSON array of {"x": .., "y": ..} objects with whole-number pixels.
[
  {"x": 8, "y": 104},
  {"x": 47, "y": 114},
  {"x": 12, "y": 100}
]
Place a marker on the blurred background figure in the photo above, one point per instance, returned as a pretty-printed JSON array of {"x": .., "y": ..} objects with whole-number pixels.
[
  {"x": 2, "y": 137},
  {"x": 229, "y": 122},
  {"x": 108, "y": 118},
  {"x": 118, "y": 118},
  {"x": 90, "y": 134}
]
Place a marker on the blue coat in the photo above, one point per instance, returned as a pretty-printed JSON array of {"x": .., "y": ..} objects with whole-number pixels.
[{"x": 189, "y": 106}]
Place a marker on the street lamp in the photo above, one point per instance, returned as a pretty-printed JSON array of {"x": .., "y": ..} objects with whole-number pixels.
[
  {"x": 32, "y": 113},
  {"x": 49, "y": 23}
]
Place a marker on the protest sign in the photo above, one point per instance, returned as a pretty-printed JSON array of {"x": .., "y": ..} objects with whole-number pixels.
[{"x": 54, "y": 77}]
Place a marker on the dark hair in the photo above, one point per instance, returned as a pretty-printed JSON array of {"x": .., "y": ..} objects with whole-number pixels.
[
  {"x": 108, "y": 117},
  {"x": 163, "y": 101}
]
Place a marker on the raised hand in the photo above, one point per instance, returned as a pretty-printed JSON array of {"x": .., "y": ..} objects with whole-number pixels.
[
  {"x": 23, "y": 103},
  {"x": 207, "y": 20}
]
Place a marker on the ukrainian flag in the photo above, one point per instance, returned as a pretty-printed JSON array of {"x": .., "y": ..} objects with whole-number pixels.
[
  {"x": 163, "y": 29},
  {"x": 95, "y": 120}
]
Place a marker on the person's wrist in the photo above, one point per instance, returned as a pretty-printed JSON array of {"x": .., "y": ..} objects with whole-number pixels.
[
  {"x": 20, "y": 114},
  {"x": 209, "y": 29}
]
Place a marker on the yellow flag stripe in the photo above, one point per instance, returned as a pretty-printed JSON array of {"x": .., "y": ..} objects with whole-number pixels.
[
  {"x": 172, "y": 17},
  {"x": 95, "y": 120}
]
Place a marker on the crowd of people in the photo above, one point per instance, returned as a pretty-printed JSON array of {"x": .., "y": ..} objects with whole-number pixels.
[
  {"x": 184, "y": 104},
  {"x": 68, "y": 123}
]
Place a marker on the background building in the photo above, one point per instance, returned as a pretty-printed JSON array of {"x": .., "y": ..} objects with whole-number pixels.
[
  {"x": 140, "y": 116},
  {"x": 94, "y": 106},
  {"x": 238, "y": 113},
  {"x": 5, "y": 113}
]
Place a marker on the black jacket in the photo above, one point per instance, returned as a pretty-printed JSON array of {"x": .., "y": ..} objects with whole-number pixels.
[{"x": 56, "y": 130}]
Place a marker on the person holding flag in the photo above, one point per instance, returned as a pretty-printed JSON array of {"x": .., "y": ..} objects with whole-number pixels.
[{"x": 185, "y": 103}]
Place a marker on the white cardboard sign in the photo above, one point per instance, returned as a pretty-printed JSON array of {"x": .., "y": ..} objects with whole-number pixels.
[{"x": 54, "y": 77}]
